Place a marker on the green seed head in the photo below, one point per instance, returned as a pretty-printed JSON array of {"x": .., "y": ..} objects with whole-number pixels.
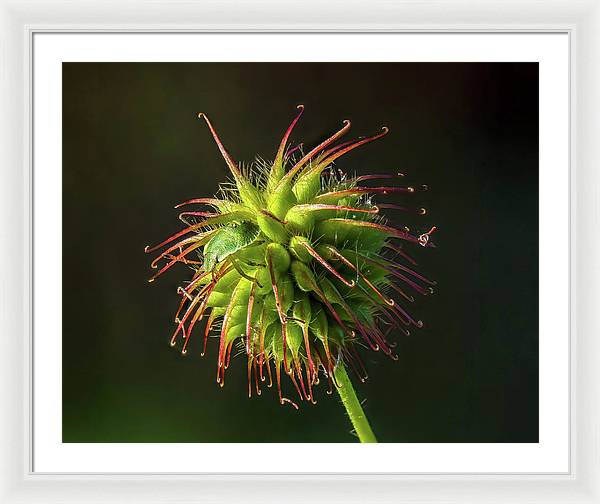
[{"x": 294, "y": 263}]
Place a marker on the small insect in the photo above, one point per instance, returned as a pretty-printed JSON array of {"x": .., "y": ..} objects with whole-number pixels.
[{"x": 227, "y": 241}]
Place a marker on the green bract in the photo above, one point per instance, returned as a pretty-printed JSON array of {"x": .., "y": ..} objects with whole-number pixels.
[{"x": 295, "y": 262}]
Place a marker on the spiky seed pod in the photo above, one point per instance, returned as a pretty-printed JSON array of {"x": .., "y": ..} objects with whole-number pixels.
[{"x": 295, "y": 261}]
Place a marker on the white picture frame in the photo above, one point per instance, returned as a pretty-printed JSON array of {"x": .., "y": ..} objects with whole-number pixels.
[{"x": 19, "y": 21}]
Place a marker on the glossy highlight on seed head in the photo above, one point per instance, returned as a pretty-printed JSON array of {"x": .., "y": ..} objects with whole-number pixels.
[{"x": 294, "y": 263}]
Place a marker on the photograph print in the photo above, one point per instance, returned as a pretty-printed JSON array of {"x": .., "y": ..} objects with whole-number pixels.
[{"x": 300, "y": 253}]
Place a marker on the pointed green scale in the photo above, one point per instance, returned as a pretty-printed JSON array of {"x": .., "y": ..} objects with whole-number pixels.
[
  {"x": 235, "y": 331},
  {"x": 269, "y": 314},
  {"x": 286, "y": 293},
  {"x": 253, "y": 253},
  {"x": 218, "y": 299},
  {"x": 298, "y": 249},
  {"x": 320, "y": 325},
  {"x": 302, "y": 309},
  {"x": 227, "y": 282},
  {"x": 240, "y": 312},
  {"x": 334, "y": 199},
  {"x": 237, "y": 309},
  {"x": 363, "y": 311},
  {"x": 218, "y": 311},
  {"x": 331, "y": 293},
  {"x": 272, "y": 227},
  {"x": 277, "y": 255},
  {"x": 249, "y": 194},
  {"x": 337, "y": 335},
  {"x": 299, "y": 220},
  {"x": 275, "y": 175},
  {"x": 303, "y": 275},
  {"x": 281, "y": 200},
  {"x": 308, "y": 185},
  {"x": 295, "y": 338},
  {"x": 241, "y": 293},
  {"x": 340, "y": 231},
  {"x": 263, "y": 278},
  {"x": 275, "y": 341},
  {"x": 376, "y": 274}
]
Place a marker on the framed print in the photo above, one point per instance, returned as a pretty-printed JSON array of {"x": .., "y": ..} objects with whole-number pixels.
[
  {"x": 331, "y": 282},
  {"x": 368, "y": 279}
]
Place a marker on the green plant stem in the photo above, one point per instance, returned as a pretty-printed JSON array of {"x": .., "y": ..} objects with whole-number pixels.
[{"x": 352, "y": 405}]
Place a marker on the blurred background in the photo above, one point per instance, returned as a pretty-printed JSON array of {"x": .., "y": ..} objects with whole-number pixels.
[{"x": 133, "y": 148}]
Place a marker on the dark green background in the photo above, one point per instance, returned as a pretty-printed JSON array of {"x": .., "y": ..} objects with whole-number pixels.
[{"x": 133, "y": 147}]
